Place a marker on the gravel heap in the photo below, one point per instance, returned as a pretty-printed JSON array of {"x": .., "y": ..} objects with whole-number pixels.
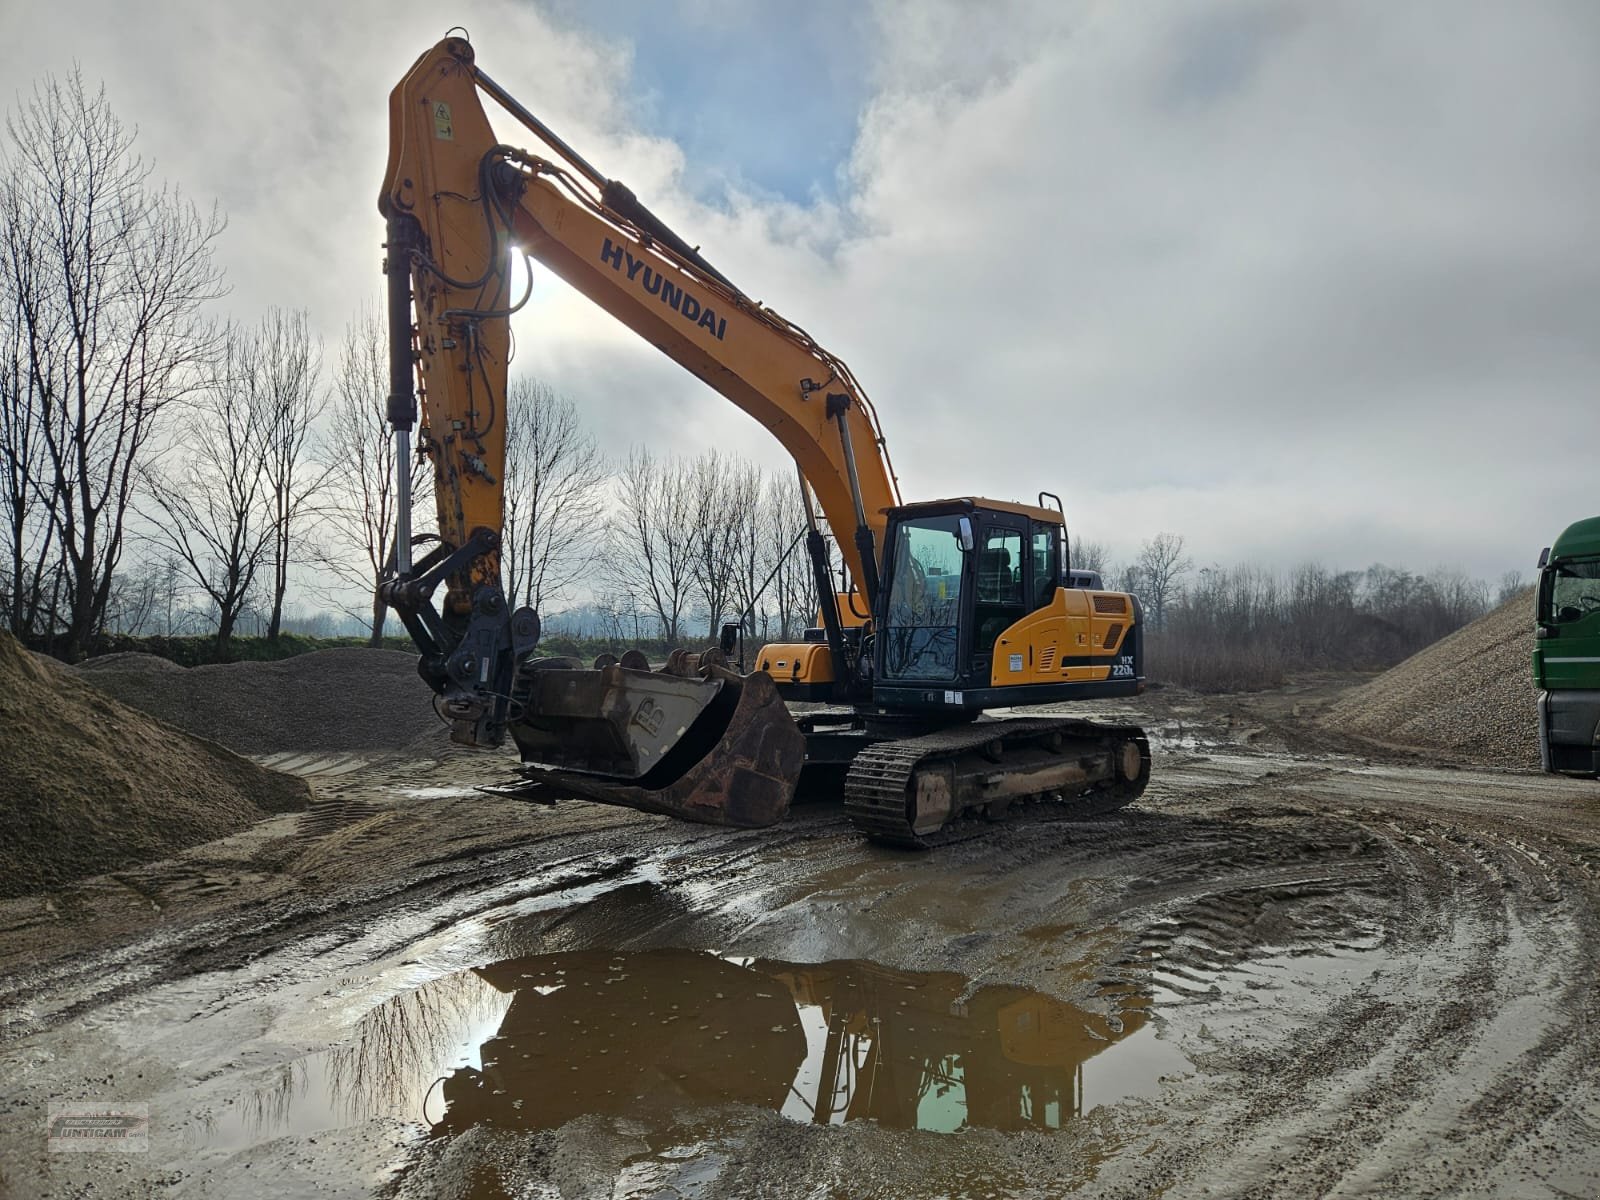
[
  {"x": 348, "y": 699},
  {"x": 91, "y": 785},
  {"x": 1471, "y": 694}
]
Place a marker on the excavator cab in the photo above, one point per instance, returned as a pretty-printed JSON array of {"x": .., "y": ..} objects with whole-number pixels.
[
  {"x": 978, "y": 611},
  {"x": 960, "y": 573}
]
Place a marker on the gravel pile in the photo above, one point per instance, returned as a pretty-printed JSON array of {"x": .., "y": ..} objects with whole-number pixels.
[
  {"x": 348, "y": 699},
  {"x": 1471, "y": 694},
  {"x": 91, "y": 785}
]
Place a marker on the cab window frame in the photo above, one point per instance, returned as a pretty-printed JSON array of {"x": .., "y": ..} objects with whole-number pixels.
[{"x": 1042, "y": 591}]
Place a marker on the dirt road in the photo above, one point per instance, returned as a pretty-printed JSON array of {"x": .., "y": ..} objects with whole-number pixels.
[{"x": 1289, "y": 970}]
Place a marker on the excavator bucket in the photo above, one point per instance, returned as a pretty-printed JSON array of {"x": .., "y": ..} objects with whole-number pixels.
[{"x": 697, "y": 742}]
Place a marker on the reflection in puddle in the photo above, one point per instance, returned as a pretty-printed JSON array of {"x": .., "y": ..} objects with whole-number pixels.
[
  {"x": 629, "y": 1035},
  {"x": 535, "y": 1042},
  {"x": 396, "y": 1053}
]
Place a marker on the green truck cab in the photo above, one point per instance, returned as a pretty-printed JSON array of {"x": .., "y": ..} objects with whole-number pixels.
[{"x": 1566, "y": 654}]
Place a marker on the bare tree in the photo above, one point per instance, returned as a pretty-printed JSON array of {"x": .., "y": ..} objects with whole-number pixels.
[
  {"x": 652, "y": 538},
  {"x": 716, "y": 492},
  {"x": 358, "y": 458},
  {"x": 793, "y": 602},
  {"x": 107, "y": 275},
  {"x": 619, "y": 618},
  {"x": 25, "y": 505},
  {"x": 135, "y": 599},
  {"x": 1245, "y": 627},
  {"x": 1161, "y": 566},
  {"x": 745, "y": 550},
  {"x": 1089, "y": 555},
  {"x": 1128, "y": 578},
  {"x": 285, "y": 369},
  {"x": 172, "y": 590},
  {"x": 1510, "y": 584},
  {"x": 555, "y": 479},
  {"x": 769, "y": 584},
  {"x": 209, "y": 508}
]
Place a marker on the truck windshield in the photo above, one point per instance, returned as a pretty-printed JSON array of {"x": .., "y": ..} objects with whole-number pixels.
[
  {"x": 1571, "y": 591},
  {"x": 922, "y": 631}
]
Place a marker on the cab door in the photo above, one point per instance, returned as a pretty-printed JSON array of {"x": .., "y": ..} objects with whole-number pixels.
[
  {"x": 1567, "y": 653},
  {"x": 1044, "y": 563},
  {"x": 1000, "y": 586}
]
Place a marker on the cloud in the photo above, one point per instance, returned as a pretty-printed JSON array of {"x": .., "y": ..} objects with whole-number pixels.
[
  {"x": 1348, "y": 278},
  {"x": 700, "y": 68},
  {"x": 280, "y": 112},
  {"x": 1297, "y": 281}
]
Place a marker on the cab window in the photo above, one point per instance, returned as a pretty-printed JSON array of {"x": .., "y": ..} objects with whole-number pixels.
[
  {"x": 1573, "y": 592},
  {"x": 1046, "y": 562},
  {"x": 1000, "y": 567},
  {"x": 999, "y": 586},
  {"x": 921, "y": 633}
]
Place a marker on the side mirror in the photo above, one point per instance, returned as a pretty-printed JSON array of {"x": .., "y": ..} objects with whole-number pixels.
[
  {"x": 1544, "y": 557},
  {"x": 730, "y": 638},
  {"x": 964, "y": 534}
]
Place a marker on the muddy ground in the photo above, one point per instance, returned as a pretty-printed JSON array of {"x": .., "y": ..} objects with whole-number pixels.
[{"x": 1297, "y": 966}]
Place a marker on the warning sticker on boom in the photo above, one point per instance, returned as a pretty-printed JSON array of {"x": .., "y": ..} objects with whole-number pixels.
[{"x": 442, "y": 127}]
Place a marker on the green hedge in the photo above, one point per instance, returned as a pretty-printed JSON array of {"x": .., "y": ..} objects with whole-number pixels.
[
  {"x": 588, "y": 649},
  {"x": 201, "y": 650}
]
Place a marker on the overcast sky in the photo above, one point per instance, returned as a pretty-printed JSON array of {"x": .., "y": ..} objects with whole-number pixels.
[{"x": 1295, "y": 280}]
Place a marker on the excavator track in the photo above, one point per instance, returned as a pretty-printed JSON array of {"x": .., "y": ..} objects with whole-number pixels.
[{"x": 948, "y": 786}]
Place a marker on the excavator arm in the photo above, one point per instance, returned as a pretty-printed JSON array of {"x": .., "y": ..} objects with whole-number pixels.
[{"x": 460, "y": 204}]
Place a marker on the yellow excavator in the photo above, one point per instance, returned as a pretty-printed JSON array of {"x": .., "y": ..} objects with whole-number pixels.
[{"x": 952, "y": 607}]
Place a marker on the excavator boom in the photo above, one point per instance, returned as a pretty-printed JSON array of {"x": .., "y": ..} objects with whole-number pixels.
[{"x": 459, "y": 202}]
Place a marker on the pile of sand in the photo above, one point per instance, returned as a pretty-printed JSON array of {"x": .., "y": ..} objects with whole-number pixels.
[
  {"x": 1471, "y": 694},
  {"x": 349, "y": 699},
  {"x": 91, "y": 785}
]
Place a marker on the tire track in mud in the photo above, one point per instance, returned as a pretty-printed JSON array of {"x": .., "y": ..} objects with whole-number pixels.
[
  {"x": 1461, "y": 1061},
  {"x": 376, "y": 871},
  {"x": 1252, "y": 883},
  {"x": 286, "y": 938}
]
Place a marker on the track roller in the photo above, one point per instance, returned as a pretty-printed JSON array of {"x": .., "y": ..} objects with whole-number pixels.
[{"x": 925, "y": 791}]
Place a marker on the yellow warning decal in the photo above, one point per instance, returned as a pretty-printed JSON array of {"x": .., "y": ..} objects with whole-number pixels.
[{"x": 442, "y": 128}]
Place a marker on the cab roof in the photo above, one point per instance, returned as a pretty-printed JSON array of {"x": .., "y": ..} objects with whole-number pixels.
[
  {"x": 1581, "y": 539},
  {"x": 968, "y": 503}
]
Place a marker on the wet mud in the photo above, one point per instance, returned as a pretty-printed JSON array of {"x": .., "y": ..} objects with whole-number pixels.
[{"x": 1290, "y": 969}]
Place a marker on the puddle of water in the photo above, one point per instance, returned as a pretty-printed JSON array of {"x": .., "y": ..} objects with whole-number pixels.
[
  {"x": 532, "y": 1043},
  {"x": 388, "y": 1068}
]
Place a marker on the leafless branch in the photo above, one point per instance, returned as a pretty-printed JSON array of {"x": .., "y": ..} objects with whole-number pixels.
[
  {"x": 554, "y": 497},
  {"x": 106, "y": 274}
]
